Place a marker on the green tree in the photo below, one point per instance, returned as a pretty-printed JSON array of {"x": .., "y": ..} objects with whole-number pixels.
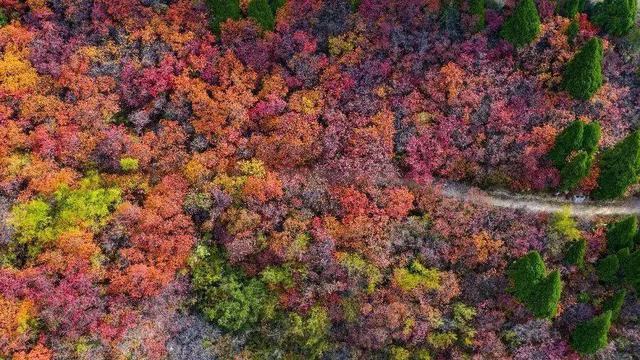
[
  {"x": 614, "y": 304},
  {"x": 607, "y": 268},
  {"x": 631, "y": 269},
  {"x": 525, "y": 273},
  {"x": 622, "y": 234},
  {"x": 619, "y": 167},
  {"x": 591, "y": 335},
  {"x": 576, "y": 252},
  {"x": 569, "y": 8},
  {"x": 575, "y": 170},
  {"x": 477, "y": 9},
  {"x": 572, "y": 31},
  {"x": 591, "y": 137},
  {"x": 221, "y": 10},
  {"x": 616, "y": 17},
  {"x": 523, "y": 25},
  {"x": 583, "y": 74},
  {"x": 128, "y": 164},
  {"x": 262, "y": 13},
  {"x": 568, "y": 140},
  {"x": 226, "y": 296},
  {"x": 276, "y": 4},
  {"x": 4, "y": 20},
  {"x": 543, "y": 302}
]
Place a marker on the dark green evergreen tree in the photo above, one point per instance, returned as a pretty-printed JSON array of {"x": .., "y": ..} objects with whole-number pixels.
[
  {"x": 221, "y": 10},
  {"x": 616, "y": 17},
  {"x": 543, "y": 301},
  {"x": 622, "y": 234},
  {"x": 591, "y": 137},
  {"x": 569, "y": 8},
  {"x": 567, "y": 141},
  {"x": 631, "y": 270},
  {"x": 614, "y": 304},
  {"x": 572, "y": 31},
  {"x": 523, "y": 25},
  {"x": 477, "y": 9},
  {"x": 619, "y": 167},
  {"x": 261, "y": 12},
  {"x": 576, "y": 252},
  {"x": 591, "y": 336},
  {"x": 276, "y": 4},
  {"x": 607, "y": 268},
  {"x": 583, "y": 74},
  {"x": 525, "y": 273},
  {"x": 575, "y": 170}
]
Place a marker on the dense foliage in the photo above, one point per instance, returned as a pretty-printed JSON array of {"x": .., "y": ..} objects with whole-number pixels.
[{"x": 201, "y": 179}]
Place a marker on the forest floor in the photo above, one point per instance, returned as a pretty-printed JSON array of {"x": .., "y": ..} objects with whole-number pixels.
[{"x": 540, "y": 203}]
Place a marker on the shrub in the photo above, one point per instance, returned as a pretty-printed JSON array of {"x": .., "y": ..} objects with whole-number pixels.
[
  {"x": 591, "y": 335},
  {"x": 221, "y": 10},
  {"x": 572, "y": 31},
  {"x": 262, "y": 13},
  {"x": 128, "y": 164},
  {"x": 591, "y": 137},
  {"x": 4, "y": 20},
  {"x": 569, "y": 8},
  {"x": 616, "y": 17},
  {"x": 576, "y": 252},
  {"x": 607, "y": 268},
  {"x": 614, "y": 304},
  {"x": 622, "y": 234},
  {"x": 583, "y": 74},
  {"x": 619, "y": 167},
  {"x": 417, "y": 276},
  {"x": 477, "y": 9},
  {"x": 523, "y": 25}
]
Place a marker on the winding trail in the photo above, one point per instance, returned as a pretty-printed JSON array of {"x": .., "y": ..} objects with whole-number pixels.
[{"x": 539, "y": 203}]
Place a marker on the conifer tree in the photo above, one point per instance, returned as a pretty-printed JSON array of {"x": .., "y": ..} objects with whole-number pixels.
[
  {"x": 616, "y": 17},
  {"x": 583, "y": 74},
  {"x": 477, "y": 8},
  {"x": 614, "y": 304},
  {"x": 567, "y": 141},
  {"x": 591, "y": 137},
  {"x": 523, "y": 25},
  {"x": 622, "y": 234},
  {"x": 591, "y": 335},
  {"x": 619, "y": 167},
  {"x": 543, "y": 302},
  {"x": 221, "y": 10},
  {"x": 607, "y": 268},
  {"x": 575, "y": 170},
  {"x": 275, "y": 5},
  {"x": 262, "y": 13},
  {"x": 525, "y": 273},
  {"x": 576, "y": 252}
]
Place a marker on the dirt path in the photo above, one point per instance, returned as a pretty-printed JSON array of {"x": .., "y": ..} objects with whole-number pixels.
[{"x": 540, "y": 203}]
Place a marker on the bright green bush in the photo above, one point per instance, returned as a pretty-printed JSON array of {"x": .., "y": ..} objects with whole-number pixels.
[
  {"x": 622, "y": 234},
  {"x": 222, "y": 10},
  {"x": 225, "y": 295},
  {"x": 619, "y": 167},
  {"x": 417, "y": 276},
  {"x": 591, "y": 335},
  {"x": 574, "y": 171},
  {"x": 583, "y": 74},
  {"x": 523, "y": 25},
  {"x": 128, "y": 164},
  {"x": 616, "y": 17},
  {"x": 262, "y": 13},
  {"x": 525, "y": 273}
]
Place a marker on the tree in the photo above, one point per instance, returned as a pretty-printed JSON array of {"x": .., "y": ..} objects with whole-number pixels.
[
  {"x": 568, "y": 140},
  {"x": 622, "y": 234},
  {"x": 607, "y": 268},
  {"x": 583, "y": 74},
  {"x": 262, "y": 13},
  {"x": 575, "y": 170},
  {"x": 616, "y": 17},
  {"x": 619, "y": 167},
  {"x": 221, "y": 10},
  {"x": 276, "y": 4},
  {"x": 477, "y": 9},
  {"x": 614, "y": 304},
  {"x": 523, "y": 25},
  {"x": 569, "y": 8},
  {"x": 576, "y": 252},
  {"x": 525, "y": 273},
  {"x": 591, "y": 335},
  {"x": 543, "y": 302},
  {"x": 591, "y": 137}
]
